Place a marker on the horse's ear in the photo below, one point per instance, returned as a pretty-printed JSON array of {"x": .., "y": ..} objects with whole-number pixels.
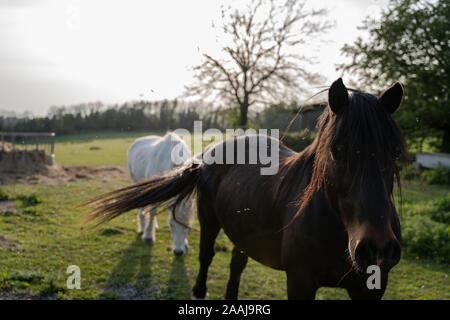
[
  {"x": 338, "y": 96},
  {"x": 392, "y": 97}
]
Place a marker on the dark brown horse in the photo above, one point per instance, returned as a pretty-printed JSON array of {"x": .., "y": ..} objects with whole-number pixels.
[{"x": 324, "y": 217}]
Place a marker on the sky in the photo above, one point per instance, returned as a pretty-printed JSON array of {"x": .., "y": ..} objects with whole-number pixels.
[{"x": 64, "y": 52}]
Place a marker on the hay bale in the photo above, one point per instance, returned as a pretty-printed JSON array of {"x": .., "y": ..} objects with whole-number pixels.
[{"x": 24, "y": 162}]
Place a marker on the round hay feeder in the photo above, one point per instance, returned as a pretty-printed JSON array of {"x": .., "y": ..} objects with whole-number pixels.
[{"x": 26, "y": 152}]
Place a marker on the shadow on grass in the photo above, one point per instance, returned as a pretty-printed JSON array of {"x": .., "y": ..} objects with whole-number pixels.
[
  {"x": 131, "y": 278},
  {"x": 179, "y": 286}
]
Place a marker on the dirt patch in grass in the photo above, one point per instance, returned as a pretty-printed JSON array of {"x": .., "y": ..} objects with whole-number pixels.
[
  {"x": 6, "y": 243},
  {"x": 4, "y": 240},
  {"x": 7, "y": 206},
  {"x": 56, "y": 174}
]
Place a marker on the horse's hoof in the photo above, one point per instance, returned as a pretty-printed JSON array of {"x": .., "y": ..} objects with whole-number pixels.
[
  {"x": 148, "y": 240},
  {"x": 196, "y": 298}
]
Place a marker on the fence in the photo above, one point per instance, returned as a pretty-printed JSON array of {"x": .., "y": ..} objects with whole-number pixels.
[
  {"x": 15, "y": 141},
  {"x": 432, "y": 160}
]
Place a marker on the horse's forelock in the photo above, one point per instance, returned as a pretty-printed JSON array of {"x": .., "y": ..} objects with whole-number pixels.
[{"x": 370, "y": 136}]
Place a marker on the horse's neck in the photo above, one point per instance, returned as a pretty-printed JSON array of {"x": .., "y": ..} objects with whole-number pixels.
[
  {"x": 293, "y": 177},
  {"x": 320, "y": 209}
]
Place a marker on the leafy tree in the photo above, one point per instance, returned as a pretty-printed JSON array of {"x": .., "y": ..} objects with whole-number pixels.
[
  {"x": 259, "y": 63},
  {"x": 410, "y": 43}
]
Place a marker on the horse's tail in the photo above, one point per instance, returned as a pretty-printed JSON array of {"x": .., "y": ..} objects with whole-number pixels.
[{"x": 170, "y": 187}]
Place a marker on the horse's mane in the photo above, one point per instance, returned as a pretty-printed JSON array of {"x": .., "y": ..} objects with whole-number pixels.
[{"x": 365, "y": 134}]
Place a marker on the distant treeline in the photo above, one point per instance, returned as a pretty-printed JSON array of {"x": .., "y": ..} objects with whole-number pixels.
[
  {"x": 153, "y": 116},
  {"x": 129, "y": 116}
]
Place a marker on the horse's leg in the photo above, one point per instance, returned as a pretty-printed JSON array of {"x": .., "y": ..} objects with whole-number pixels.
[
  {"x": 209, "y": 229},
  {"x": 155, "y": 221},
  {"x": 141, "y": 220},
  {"x": 300, "y": 285},
  {"x": 237, "y": 265},
  {"x": 149, "y": 231}
]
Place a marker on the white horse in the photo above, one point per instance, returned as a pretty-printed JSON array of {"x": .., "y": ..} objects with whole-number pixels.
[{"x": 152, "y": 155}]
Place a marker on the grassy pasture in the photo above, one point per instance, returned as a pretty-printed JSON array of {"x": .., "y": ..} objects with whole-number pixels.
[
  {"x": 38, "y": 241},
  {"x": 103, "y": 148}
]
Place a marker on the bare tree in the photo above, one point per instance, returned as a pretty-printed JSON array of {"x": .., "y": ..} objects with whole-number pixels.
[{"x": 261, "y": 60}]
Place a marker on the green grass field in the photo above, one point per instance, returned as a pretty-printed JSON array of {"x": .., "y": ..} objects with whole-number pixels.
[
  {"x": 39, "y": 241},
  {"x": 103, "y": 148}
]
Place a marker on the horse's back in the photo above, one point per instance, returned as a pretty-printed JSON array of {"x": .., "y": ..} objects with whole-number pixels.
[
  {"x": 151, "y": 155},
  {"x": 137, "y": 155},
  {"x": 245, "y": 201}
]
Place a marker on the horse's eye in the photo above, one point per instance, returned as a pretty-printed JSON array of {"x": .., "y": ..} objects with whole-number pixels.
[
  {"x": 337, "y": 153},
  {"x": 397, "y": 154}
]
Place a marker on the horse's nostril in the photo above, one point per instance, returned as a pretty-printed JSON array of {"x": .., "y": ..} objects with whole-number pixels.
[
  {"x": 365, "y": 255},
  {"x": 392, "y": 253},
  {"x": 178, "y": 252}
]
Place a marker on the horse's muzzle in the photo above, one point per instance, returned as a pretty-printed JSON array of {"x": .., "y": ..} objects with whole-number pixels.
[
  {"x": 368, "y": 253},
  {"x": 178, "y": 253}
]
